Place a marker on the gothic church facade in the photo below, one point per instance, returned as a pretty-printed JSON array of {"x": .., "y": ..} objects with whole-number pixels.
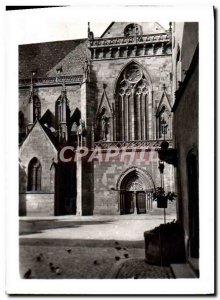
[{"x": 111, "y": 92}]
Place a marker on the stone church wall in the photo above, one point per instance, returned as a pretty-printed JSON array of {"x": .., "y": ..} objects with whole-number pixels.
[
  {"x": 106, "y": 175},
  {"x": 37, "y": 204},
  {"x": 99, "y": 77},
  {"x": 107, "y": 71},
  {"x": 37, "y": 145}
]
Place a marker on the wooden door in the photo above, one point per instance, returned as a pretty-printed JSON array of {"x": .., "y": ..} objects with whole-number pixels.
[
  {"x": 126, "y": 203},
  {"x": 141, "y": 202},
  {"x": 149, "y": 199}
]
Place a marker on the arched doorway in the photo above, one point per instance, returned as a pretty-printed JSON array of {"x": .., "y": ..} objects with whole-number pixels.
[{"x": 136, "y": 192}]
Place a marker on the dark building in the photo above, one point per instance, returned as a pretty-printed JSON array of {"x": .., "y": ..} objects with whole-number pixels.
[{"x": 185, "y": 132}]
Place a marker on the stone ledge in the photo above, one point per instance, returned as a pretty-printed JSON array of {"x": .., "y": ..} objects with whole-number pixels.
[{"x": 182, "y": 271}]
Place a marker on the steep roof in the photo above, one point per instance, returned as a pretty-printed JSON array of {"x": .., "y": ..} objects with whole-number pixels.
[
  {"x": 46, "y": 57},
  {"x": 49, "y": 135}
]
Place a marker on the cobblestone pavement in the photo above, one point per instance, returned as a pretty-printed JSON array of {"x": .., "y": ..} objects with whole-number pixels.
[
  {"x": 87, "y": 247},
  {"x": 139, "y": 269},
  {"x": 74, "y": 261}
]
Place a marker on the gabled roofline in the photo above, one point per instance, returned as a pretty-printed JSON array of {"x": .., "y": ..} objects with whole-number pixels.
[
  {"x": 160, "y": 25},
  {"x": 164, "y": 94},
  {"x": 101, "y": 101},
  {"x": 48, "y": 136},
  {"x": 110, "y": 25},
  {"x": 34, "y": 124},
  {"x": 28, "y": 134}
]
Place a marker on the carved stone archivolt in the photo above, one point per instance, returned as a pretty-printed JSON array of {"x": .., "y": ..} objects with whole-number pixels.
[{"x": 134, "y": 184}]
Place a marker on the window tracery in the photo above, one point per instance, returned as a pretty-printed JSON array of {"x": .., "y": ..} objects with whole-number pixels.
[
  {"x": 132, "y": 104},
  {"x": 132, "y": 29}
]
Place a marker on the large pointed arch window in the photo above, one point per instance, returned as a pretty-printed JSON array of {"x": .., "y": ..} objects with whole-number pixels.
[
  {"x": 34, "y": 175},
  {"x": 132, "y": 97}
]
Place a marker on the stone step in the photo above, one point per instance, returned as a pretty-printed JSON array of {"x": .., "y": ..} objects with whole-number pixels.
[{"x": 182, "y": 271}]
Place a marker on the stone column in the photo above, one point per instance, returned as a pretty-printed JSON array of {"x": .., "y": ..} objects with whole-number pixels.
[
  {"x": 144, "y": 49},
  {"x": 141, "y": 117},
  {"x": 127, "y": 118},
  {"x": 131, "y": 117},
  {"x": 146, "y": 116},
  {"x": 94, "y": 53},
  {"x": 146, "y": 201},
  {"x": 122, "y": 118},
  {"x": 83, "y": 102},
  {"x": 126, "y": 51},
  {"x": 110, "y": 52},
  {"x": 30, "y": 112},
  {"x": 114, "y": 122},
  {"x": 135, "y": 203},
  {"x": 151, "y": 129},
  {"x": 118, "y": 202},
  {"x": 138, "y": 120},
  {"x": 102, "y": 53},
  {"x": 153, "y": 45},
  {"x": 119, "y": 49},
  {"x": 79, "y": 187},
  {"x": 135, "y": 50}
]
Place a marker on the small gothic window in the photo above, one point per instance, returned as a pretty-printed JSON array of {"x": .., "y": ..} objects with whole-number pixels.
[
  {"x": 34, "y": 175},
  {"x": 132, "y": 30}
]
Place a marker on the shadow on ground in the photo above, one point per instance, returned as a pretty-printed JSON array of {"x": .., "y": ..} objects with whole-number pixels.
[
  {"x": 81, "y": 243},
  {"x": 38, "y": 226}
]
